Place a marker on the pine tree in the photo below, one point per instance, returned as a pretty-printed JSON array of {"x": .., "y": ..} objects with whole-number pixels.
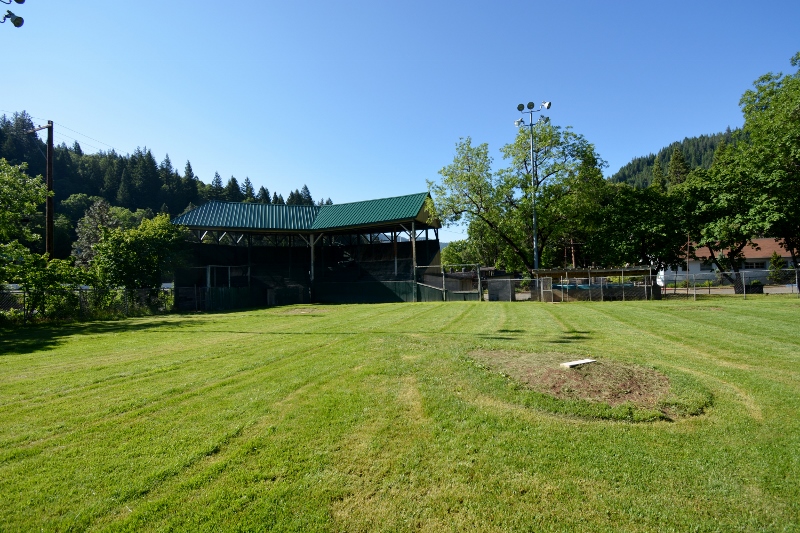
[
  {"x": 277, "y": 199},
  {"x": 305, "y": 196},
  {"x": 295, "y": 198},
  {"x": 233, "y": 192},
  {"x": 170, "y": 181},
  {"x": 145, "y": 180},
  {"x": 216, "y": 191},
  {"x": 248, "y": 191},
  {"x": 124, "y": 193},
  {"x": 677, "y": 170},
  {"x": 189, "y": 186},
  {"x": 112, "y": 178},
  {"x": 263, "y": 196},
  {"x": 658, "y": 181}
]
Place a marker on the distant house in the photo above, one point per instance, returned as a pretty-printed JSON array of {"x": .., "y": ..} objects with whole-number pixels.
[{"x": 755, "y": 262}]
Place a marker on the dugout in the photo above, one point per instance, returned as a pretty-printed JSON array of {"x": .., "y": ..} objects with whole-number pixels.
[{"x": 249, "y": 255}]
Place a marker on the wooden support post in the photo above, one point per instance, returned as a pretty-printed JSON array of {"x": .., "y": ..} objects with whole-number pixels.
[
  {"x": 414, "y": 249},
  {"x": 394, "y": 242},
  {"x": 249, "y": 259},
  {"x": 311, "y": 243},
  {"x": 414, "y": 257}
]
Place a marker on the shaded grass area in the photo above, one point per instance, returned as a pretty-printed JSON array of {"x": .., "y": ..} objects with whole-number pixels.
[{"x": 376, "y": 417}]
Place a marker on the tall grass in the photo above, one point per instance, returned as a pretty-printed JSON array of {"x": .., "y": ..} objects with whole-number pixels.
[{"x": 375, "y": 417}]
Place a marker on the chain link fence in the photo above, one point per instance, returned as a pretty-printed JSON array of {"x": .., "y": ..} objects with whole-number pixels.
[
  {"x": 716, "y": 283},
  {"x": 83, "y": 304},
  {"x": 601, "y": 288},
  {"x": 449, "y": 282}
]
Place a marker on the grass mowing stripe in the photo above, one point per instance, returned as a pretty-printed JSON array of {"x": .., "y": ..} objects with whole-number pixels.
[
  {"x": 379, "y": 422},
  {"x": 160, "y": 476},
  {"x": 252, "y": 440},
  {"x": 138, "y": 396}
]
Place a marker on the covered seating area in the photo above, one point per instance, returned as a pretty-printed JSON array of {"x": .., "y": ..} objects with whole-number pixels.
[{"x": 249, "y": 254}]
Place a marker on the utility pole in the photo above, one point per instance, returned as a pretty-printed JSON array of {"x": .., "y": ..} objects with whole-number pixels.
[{"x": 49, "y": 206}]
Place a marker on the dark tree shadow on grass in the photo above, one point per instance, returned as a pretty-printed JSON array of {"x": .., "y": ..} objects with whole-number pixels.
[{"x": 29, "y": 339}]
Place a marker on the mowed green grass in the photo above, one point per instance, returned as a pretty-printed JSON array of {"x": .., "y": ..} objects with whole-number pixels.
[{"x": 375, "y": 418}]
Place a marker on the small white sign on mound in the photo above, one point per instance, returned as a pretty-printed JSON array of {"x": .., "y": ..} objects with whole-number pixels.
[{"x": 573, "y": 364}]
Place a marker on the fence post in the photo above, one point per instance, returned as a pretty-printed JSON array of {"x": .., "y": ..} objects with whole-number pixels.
[
  {"x": 694, "y": 287},
  {"x": 744, "y": 285},
  {"x": 480, "y": 287},
  {"x": 623, "y": 285},
  {"x": 589, "y": 272}
]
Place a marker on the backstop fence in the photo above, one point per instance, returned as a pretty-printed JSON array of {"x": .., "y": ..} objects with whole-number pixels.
[
  {"x": 604, "y": 288},
  {"x": 443, "y": 283}
]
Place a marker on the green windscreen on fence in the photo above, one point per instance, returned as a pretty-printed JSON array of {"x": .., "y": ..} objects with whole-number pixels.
[{"x": 363, "y": 292}]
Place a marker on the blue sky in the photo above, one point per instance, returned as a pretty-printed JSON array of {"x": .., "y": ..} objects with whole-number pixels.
[{"x": 363, "y": 100}]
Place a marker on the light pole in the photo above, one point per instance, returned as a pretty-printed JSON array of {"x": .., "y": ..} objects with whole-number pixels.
[
  {"x": 534, "y": 170},
  {"x": 15, "y": 20}
]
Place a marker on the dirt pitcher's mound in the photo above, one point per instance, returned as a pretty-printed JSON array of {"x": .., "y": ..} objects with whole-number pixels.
[{"x": 608, "y": 382}]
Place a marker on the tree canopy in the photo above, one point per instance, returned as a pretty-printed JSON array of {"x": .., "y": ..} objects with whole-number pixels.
[{"x": 750, "y": 188}]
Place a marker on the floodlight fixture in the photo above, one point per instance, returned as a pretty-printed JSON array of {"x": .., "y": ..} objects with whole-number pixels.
[
  {"x": 9, "y": 1},
  {"x": 15, "y": 20},
  {"x": 533, "y": 168}
]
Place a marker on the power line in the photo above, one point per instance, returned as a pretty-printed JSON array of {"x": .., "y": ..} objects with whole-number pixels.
[
  {"x": 60, "y": 125},
  {"x": 83, "y": 134},
  {"x": 79, "y": 142}
]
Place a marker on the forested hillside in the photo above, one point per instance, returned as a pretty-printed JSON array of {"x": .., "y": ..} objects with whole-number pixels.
[
  {"x": 697, "y": 152},
  {"x": 136, "y": 183}
]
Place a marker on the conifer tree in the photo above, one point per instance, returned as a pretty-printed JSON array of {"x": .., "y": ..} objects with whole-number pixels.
[
  {"x": 248, "y": 191},
  {"x": 658, "y": 181},
  {"x": 124, "y": 193},
  {"x": 189, "y": 186},
  {"x": 305, "y": 196},
  {"x": 216, "y": 191},
  {"x": 233, "y": 192},
  {"x": 677, "y": 170},
  {"x": 145, "y": 180},
  {"x": 263, "y": 196}
]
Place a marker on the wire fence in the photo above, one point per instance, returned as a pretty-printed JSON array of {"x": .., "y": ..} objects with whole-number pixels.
[
  {"x": 574, "y": 289},
  {"x": 83, "y": 304},
  {"x": 717, "y": 283},
  {"x": 450, "y": 282}
]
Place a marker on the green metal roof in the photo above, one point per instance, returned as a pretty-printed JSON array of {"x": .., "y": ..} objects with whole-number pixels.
[
  {"x": 306, "y": 218},
  {"x": 242, "y": 216},
  {"x": 371, "y": 212}
]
